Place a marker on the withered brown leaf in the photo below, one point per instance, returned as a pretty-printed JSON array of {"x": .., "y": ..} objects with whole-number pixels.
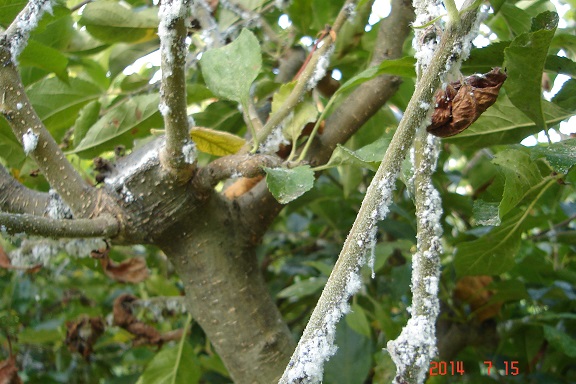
[
  {"x": 123, "y": 317},
  {"x": 83, "y": 333},
  {"x": 462, "y": 102},
  {"x": 132, "y": 270}
]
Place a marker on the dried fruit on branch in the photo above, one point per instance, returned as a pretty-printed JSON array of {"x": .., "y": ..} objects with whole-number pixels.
[{"x": 462, "y": 102}]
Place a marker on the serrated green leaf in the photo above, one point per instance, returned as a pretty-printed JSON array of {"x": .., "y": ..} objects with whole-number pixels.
[
  {"x": 525, "y": 58},
  {"x": 215, "y": 142},
  {"x": 112, "y": 22},
  {"x": 503, "y": 123},
  {"x": 229, "y": 71},
  {"x": 561, "y": 156},
  {"x": 58, "y": 103},
  {"x": 289, "y": 184},
  {"x": 566, "y": 97},
  {"x": 87, "y": 117},
  {"x": 120, "y": 125},
  {"x": 560, "y": 340},
  {"x": 522, "y": 177},
  {"x": 173, "y": 366},
  {"x": 280, "y": 96},
  {"x": 304, "y": 113},
  {"x": 303, "y": 288},
  {"x": 561, "y": 65}
]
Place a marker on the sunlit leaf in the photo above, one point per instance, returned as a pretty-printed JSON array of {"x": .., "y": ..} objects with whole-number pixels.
[
  {"x": 230, "y": 70},
  {"x": 215, "y": 142},
  {"x": 561, "y": 155}
]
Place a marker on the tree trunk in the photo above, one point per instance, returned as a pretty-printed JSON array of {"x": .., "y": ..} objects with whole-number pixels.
[{"x": 226, "y": 294}]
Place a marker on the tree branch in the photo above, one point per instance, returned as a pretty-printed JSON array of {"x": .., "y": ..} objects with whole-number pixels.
[
  {"x": 16, "y": 198},
  {"x": 104, "y": 226},
  {"x": 179, "y": 153},
  {"x": 370, "y": 96},
  {"x": 312, "y": 73},
  {"x": 413, "y": 350},
  {"x": 231, "y": 166},
  {"x": 25, "y": 123},
  {"x": 316, "y": 344}
]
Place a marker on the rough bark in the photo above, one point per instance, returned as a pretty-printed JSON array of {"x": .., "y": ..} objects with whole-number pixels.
[{"x": 225, "y": 292}]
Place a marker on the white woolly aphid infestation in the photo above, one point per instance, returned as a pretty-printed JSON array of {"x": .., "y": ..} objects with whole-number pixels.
[
  {"x": 26, "y": 22},
  {"x": 276, "y": 138},
  {"x": 170, "y": 11},
  {"x": 320, "y": 69},
  {"x": 29, "y": 141}
]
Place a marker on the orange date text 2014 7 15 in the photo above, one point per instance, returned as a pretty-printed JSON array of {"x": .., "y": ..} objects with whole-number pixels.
[{"x": 453, "y": 368}]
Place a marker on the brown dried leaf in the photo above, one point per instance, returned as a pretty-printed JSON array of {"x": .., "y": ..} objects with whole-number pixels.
[
  {"x": 472, "y": 290},
  {"x": 462, "y": 102},
  {"x": 82, "y": 334},
  {"x": 123, "y": 317},
  {"x": 7, "y": 264},
  {"x": 9, "y": 372},
  {"x": 132, "y": 270}
]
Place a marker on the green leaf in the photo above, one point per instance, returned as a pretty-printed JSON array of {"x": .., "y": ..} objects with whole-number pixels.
[
  {"x": 566, "y": 97},
  {"x": 10, "y": 149},
  {"x": 215, "y": 142},
  {"x": 522, "y": 177},
  {"x": 289, "y": 184},
  {"x": 229, "y": 71},
  {"x": 525, "y": 58},
  {"x": 44, "y": 57},
  {"x": 358, "y": 321},
  {"x": 58, "y": 103},
  {"x": 303, "y": 288},
  {"x": 352, "y": 362},
  {"x": 561, "y": 155},
  {"x": 560, "y": 340},
  {"x": 503, "y": 123},
  {"x": 304, "y": 113},
  {"x": 222, "y": 116},
  {"x": 86, "y": 118},
  {"x": 112, "y": 22},
  {"x": 173, "y": 365},
  {"x": 561, "y": 65},
  {"x": 491, "y": 254},
  {"x": 120, "y": 125},
  {"x": 486, "y": 213},
  {"x": 344, "y": 156}
]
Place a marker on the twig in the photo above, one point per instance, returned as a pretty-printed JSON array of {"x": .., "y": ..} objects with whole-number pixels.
[
  {"x": 178, "y": 156},
  {"x": 103, "y": 226}
]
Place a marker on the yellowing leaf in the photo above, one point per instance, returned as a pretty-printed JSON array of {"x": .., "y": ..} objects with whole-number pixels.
[{"x": 216, "y": 143}]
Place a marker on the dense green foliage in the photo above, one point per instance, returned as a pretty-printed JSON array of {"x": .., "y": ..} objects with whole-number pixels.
[{"x": 509, "y": 209}]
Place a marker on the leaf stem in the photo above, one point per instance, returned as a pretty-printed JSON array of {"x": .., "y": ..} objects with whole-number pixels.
[{"x": 453, "y": 14}]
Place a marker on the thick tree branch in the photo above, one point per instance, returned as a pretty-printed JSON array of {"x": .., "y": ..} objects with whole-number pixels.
[
  {"x": 25, "y": 123},
  {"x": 179, "y": 153},
  {"x": 316, "y": 344},
  {"x": 103, "y": 226},
  {"x": 16, "y": 198}
]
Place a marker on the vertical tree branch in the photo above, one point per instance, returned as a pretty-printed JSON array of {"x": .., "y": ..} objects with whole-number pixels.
[
  {"x": 179, "y": 154},
  {"x": 316, "y": 344},
  {"x": 413, "y": 350},
  {"x": 25, "y": 123}
]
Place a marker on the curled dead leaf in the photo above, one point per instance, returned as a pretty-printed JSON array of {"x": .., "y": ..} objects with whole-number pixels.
[
  {"x": 83, "y": 333},
  {"x": 462, "y": 102},
  {"x": 123, "y": 317},
  {"x": 132, "y": 270}
]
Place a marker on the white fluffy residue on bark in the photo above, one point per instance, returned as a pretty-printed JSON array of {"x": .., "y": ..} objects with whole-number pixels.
[
  {"x": 25, "y": 23},
  {"x": 29, "y": 141}
]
